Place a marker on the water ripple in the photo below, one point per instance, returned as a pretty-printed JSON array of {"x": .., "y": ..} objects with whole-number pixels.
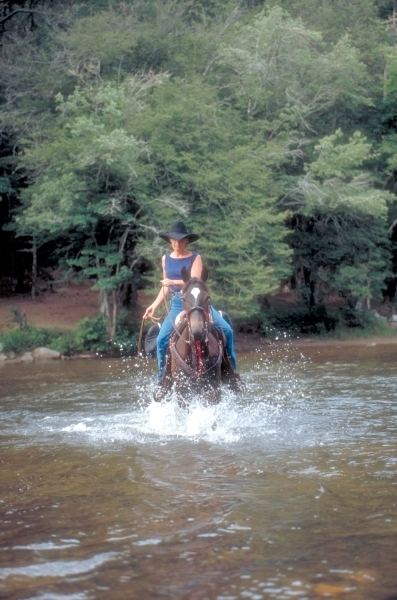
[{"x": 59, "y": 568}]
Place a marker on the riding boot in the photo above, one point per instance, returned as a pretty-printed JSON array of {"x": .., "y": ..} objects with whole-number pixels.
[{"x": 164, "y": 383}]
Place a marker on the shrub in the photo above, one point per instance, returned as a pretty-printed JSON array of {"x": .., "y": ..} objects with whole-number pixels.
[
  {"x": 89, "y": 336},
  {"x": 297, "y": 320},
  {"x": 362, "y": 324},
  {"x": 28, "y": 338},
  {"x": 322, "y": 320},
  {"x": 126, "y": 338}
]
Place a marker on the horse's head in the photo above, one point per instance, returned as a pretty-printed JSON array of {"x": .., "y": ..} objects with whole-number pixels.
[{"x": 196, "y": 303}]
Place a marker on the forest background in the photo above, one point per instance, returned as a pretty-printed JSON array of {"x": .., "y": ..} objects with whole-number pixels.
[{"x": 269, "y": 126}]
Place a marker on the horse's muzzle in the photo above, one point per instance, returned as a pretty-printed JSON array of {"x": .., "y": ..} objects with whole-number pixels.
[{"x": 197, "y": 323}]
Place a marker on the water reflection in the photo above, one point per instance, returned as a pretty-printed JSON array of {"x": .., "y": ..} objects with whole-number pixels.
[{"x": 288, "y": 492}]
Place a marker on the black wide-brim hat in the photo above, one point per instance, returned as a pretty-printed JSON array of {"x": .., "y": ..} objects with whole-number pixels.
[{"x": 179, "y": 231}]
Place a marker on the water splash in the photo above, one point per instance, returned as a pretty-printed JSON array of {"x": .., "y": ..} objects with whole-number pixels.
[
  {"x": 117, "y": 408},
  {"x": 216, "y": 423},
  {"x": 275, "y": 393}
]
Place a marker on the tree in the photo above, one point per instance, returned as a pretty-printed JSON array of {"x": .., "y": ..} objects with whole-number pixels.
[
  {"x": 278, "y": 70},
  {"x": 90, "y": 179},
  {"x": 340, "y": 240},
  {"x": 223, "y": 174}
]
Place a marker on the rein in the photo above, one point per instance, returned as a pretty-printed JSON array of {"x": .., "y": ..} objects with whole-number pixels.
[{"x": 188, "y": 370}]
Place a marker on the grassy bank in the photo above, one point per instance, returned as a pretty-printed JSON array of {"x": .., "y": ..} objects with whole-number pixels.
[{"x": 89, "y": 335}]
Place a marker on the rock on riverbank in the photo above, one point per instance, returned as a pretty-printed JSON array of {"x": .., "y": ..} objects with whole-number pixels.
[{"x": 41, "y": 353}]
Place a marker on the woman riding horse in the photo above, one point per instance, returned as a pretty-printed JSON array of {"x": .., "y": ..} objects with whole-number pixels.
[
  {"x": 172, "y": 265},
  {"x": 197, "y": 362}
]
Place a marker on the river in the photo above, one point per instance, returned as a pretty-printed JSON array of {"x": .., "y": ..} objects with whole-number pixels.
[{"x": 288, "y": 491}]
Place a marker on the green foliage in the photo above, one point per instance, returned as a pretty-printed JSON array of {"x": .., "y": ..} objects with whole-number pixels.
[
  {"x": 358, "y": 18},
  {"x": 338, "y": 159},
  {"x": 20, "y": 340},
  {"x": 91, "y": 179},
  {"x": 224, "y": 172},
  {"x": 335, "y": 179},
  {"x": 341, "y": 323},
  {"x": 360, "y": 325},
  {"x": 298, "y": 320},
  {"x": 94, "y": 54},
  {"x": 340, "y": 233},
  {"x": 89, "y": 336},
  {"x": 277, "y": 67},
  {"x": 5, "y": 185}
]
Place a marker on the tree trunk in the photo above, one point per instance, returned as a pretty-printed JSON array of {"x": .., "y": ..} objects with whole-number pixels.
[
  {"x": 113, "y": 322},
  {"x": 34, "y": 269},
  {"x": 109, "y": 308},
  {"x": 104, "y": 304}
]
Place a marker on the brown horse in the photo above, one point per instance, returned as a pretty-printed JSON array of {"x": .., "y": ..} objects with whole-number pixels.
[{"x": 197, "y": 362}]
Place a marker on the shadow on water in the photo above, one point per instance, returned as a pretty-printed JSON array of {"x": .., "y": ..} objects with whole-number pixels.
[{"x": 285, "y": 492}]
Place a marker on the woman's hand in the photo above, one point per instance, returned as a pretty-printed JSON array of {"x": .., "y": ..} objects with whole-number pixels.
[
  {"x": 149, "y": 312},
  {"x": 163, "y": 293},
  {"x": 167, "y": 282}
]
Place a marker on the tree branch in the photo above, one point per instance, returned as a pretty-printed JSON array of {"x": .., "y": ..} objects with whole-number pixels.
[{"x": 21, "y": 10}]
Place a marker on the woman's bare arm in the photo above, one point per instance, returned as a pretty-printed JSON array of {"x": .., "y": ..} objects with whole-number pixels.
[{"x": 161, "y": 296}]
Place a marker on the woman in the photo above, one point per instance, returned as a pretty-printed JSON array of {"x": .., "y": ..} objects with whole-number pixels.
[{"x": 172, "y": 283}]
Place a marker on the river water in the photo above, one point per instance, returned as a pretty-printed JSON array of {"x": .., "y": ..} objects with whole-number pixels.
[{"x": 289, "y": 491}]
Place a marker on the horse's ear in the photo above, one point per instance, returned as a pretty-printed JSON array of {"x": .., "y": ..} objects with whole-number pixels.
[
  {"x": 204, "y": 274},
  {"x": 185, "y": 274}
]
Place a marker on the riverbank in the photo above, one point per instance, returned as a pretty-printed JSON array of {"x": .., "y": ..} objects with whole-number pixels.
[
  {"x": 246, "y": 344},
  {"x": 64, "y": 308},
  {"x": 250, "y": 342}
]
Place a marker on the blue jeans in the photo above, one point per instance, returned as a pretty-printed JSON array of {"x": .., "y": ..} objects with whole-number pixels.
[{"x": 168, "y": 326}]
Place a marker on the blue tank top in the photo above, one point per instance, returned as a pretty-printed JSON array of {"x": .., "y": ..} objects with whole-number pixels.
[{"x": 173, "y": 268}]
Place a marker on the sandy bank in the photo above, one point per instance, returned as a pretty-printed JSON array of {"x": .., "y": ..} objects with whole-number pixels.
[{"x": 61, "y": 309}]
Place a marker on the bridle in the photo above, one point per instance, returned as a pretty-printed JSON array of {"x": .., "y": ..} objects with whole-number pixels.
[
  {"x": 203, "y": 308},
  {"x": 196, "y": 345}
]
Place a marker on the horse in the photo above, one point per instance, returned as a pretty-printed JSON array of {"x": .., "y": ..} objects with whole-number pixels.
[{"x": 197, "y": 362}]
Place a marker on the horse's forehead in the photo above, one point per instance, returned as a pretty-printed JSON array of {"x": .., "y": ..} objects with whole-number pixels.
[{"x": 195, "y": 292}]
